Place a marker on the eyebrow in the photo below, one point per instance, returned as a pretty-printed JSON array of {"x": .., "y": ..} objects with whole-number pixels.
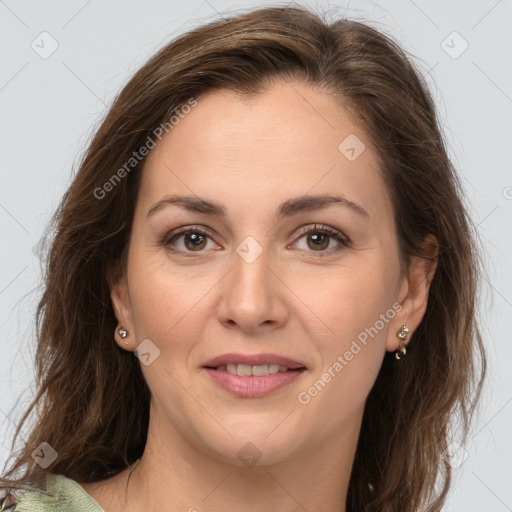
[{"x": 289, "y": 208}]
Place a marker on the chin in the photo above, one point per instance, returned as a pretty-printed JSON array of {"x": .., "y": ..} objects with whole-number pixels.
[{"x": 260, "y": 445}]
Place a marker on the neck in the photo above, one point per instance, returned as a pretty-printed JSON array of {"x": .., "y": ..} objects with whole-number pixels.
[{"x": 175, "y": 475}]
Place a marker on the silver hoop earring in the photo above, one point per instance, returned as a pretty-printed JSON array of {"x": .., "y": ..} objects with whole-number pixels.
[{"x": 402, "y": 334}]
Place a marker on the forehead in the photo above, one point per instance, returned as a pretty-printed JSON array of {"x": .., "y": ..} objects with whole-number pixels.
[
  {"x": 286, "y": 120},
  {"x": 284, "y": 142}
]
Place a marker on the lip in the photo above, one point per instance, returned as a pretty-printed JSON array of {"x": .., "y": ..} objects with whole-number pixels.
[
  {"x": 254, "y": 360},
  {"x": 253, "y": 386}
]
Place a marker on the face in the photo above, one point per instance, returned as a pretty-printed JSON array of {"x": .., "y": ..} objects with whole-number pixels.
[{"x": 262, "y": 274}]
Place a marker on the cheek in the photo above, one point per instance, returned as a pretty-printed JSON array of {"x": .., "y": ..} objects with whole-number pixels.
[
  {"x": 153, "y": 296},
  {"x": 349, "y": 299},
  {"x": 351, "y": 355},
  {"x": 169, "y": 303},
  {"x": 357, "y": 307}
]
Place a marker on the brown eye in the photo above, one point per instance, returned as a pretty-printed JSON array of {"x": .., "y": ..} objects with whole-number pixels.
[
  {"x": 318, "y": 241},
  {"x": 194, "y": 241},
  {"x": 319, "y": 238},
  {"x": 186, "y": 240}
]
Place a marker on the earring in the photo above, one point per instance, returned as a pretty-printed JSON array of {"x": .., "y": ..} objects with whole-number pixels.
[
  {"x": 402, "y": 334},
  {"x": 123, "y": 333}
]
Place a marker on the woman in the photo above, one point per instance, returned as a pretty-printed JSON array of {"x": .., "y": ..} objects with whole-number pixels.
[{"x": 268, "y": 220}]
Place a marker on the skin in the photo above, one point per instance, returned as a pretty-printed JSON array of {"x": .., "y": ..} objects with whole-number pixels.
[{"x": 251, "y": 155}]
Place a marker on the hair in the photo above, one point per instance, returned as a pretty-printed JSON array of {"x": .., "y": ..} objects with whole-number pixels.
[{"x": 92, "y": 402}]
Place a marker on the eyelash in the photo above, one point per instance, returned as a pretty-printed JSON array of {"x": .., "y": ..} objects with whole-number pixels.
[{"x": 320, "y": 229}]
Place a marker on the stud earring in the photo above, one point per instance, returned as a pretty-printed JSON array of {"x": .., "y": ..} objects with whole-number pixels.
[
  {"x": 123, "y": 333},
  {"x": 402, "y": 334}
]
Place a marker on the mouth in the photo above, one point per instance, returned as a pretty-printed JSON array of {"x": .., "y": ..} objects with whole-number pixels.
[
  {"x": 253, "y": 376},
  {"x": 258, "y": 370},
  {"x": 238, "y": 362}
]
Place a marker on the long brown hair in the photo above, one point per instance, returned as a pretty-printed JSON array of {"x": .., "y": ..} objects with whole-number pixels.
[{"x": 92, "y": 402}]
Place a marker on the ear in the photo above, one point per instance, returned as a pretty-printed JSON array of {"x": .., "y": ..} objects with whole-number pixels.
[
  {"x": 121, "y": 304},
  {"x": 414, "y": 292}
]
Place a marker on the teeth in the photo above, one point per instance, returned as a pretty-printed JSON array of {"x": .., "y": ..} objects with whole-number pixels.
[
  {"x": 243, "y": 370},
  {"x": 246, "y": 370},
  {"x": 274, "y": 368},
  {"x": 260, "y": 370}
]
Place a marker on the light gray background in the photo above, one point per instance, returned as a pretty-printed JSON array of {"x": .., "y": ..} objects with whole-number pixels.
[{"x": 49, "y": 107}]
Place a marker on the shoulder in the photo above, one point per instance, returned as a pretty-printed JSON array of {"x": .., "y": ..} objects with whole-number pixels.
[{"x": 61, "y": 494}]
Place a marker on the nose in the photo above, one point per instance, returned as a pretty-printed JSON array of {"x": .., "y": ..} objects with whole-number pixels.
[{"x": 253, "y": 296}]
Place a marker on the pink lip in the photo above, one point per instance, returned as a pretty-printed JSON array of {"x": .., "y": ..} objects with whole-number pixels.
[
  {"x": 253, "y": 386},
  {"x": 253, "y": 360}
]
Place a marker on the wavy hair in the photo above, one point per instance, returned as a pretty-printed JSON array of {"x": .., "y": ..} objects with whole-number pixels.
[{"x": 401, "y": 461}]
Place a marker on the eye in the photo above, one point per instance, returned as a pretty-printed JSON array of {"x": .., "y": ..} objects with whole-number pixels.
[
  {"x": 319, "y": 238},
  {"x": 195, "y": 239}
]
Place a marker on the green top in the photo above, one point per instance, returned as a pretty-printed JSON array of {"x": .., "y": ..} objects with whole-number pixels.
[{"x": 67, "y": 496}]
